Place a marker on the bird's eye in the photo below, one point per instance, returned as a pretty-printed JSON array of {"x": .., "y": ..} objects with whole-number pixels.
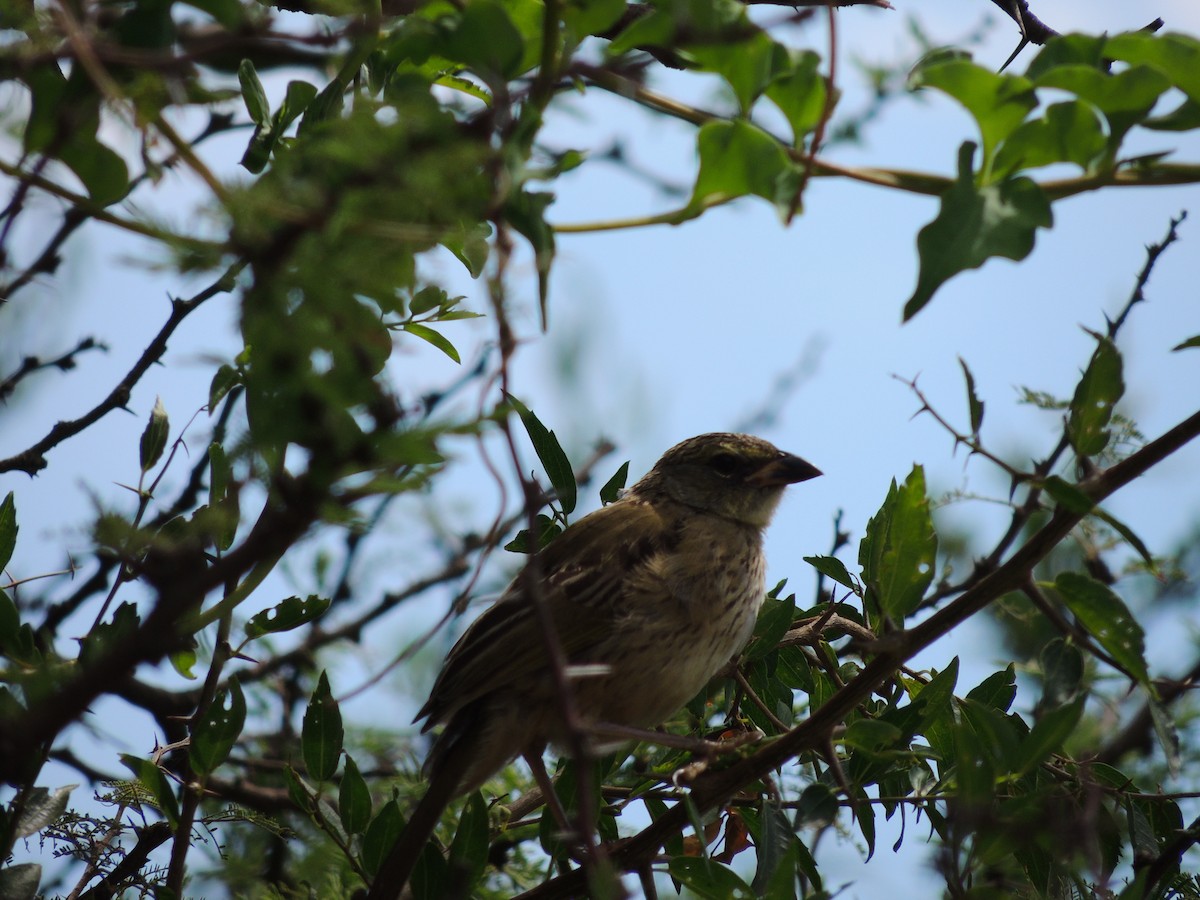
[{"x": 725, "y": 464}]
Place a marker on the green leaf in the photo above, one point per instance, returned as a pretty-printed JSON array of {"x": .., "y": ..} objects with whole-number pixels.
[
  {"x": 1190, "y": 342},
  {"x": 380, "y": 836},
  {"x": 425, "y": 333},
  {"x": 998, "y": 690},
  {"x": 154, "y": 438},
  {"x": 429, "y": 297},
  {"x": 16, "y": 639},
  {"x": 587, "y": 17},
  {"x": 225, "y": 379},
  {"x": 253, "y": 94},
  {"x": 1066, "y": 132},
  {"x": 1068, "y": 496},
  {"x": 899, "y": 550},
  {"x": 800, "y": 94},
  {"x": 1130, "y": 537},
  {"x": 295, "y": 101},
  {"x": 217, "y": 730},
  {"x": 709, "y": 879},
  {"x": 973, "y": 225},
  {"x": 749, "y": 66},
  {"x": 611, "y": 492},
  {"x": 872, "y": 735},
  {"x": 1098, "y": 391},
  {"x": 554, "y": 460},
  {"x": 526, "y": 212},
  {"x": 155, "y": 781},
  {"x": 999, "y": 103},
  {"x": 327, "y": 105},
  {"x": 286, "y": 615},
  {"x": 321, "y": 734},
  {"x": 9, "y": 529},
  {"x": 354, "y": 799},
  {"x": 469, "y": 850},
  {"x": 736, "y": 159},
  {"x": 818, "y": 804},
  {"x": 774, "y": 619},
  {"x": 1062, "y": 666},
  {"x": 547, "y": 530},
  {"x": 832, "y": 567},
  {"x": 1167, "y": 734},
  {"x": 20, "y": 881},
  {"x": 42, "y": 808},
  {"x": 486, "y": 41},
  {"x": 470, "y": 245},
  {"x": 101, "y": 169},
  {"x": 1107, "y": 619},
  {"x": 1174, "y": 55},
  {"x": 1048, "y": 735},
  {"x": 974, "y": 404},
  {"x": 1124, "y": 98},
  {"x": 183, "y": 661}
]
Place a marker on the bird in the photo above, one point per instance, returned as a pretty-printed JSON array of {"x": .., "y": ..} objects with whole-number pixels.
[{"x": 649, "y": 597}]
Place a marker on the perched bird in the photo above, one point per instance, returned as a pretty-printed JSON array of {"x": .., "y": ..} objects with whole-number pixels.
[{"x": 650, "y": 596}]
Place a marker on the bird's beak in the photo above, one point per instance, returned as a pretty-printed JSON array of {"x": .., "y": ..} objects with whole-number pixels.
[{"x": 785, "y": 469}]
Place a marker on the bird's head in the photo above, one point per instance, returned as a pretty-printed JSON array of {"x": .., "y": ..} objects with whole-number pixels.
[{"x": 737, "y": 476}]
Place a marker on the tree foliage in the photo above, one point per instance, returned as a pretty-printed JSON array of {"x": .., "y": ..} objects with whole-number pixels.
[{"x": 376, "y": 138}]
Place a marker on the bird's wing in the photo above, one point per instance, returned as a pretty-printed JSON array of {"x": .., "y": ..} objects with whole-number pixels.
[{"x": 584, "y": 571}]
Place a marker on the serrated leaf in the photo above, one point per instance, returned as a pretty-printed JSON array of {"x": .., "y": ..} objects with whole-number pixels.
[
  {"x": 974, "y": 404},
  {"x": 832, "y": 567},
  {"x": 1107, "y": 619},
  {"x": 8, "y": 529},
  {"x": 253, "y": 94},
  {"x": 321, "y": 734},
  {"x": 425, "y": 333},
  {"x": 899, "y": 550},
  {"x": 216, "y": 731},
  {"x": 611, "y": 492},
  {"x": 354, "y": 799},
  {"x": 154, "y": 438},
  {"x": 286, "y": 615},
  {"x": 380, "y": 836},
  {"x": 1098, "y": 391},
  {"x": 973, "y": 225},
  {"x": 554, "y": 460}
]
